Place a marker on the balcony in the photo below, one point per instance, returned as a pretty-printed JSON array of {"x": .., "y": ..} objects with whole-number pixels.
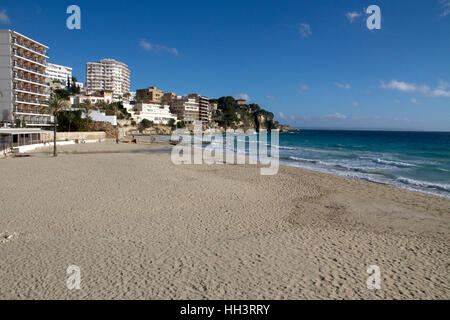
[
  {"x": 29, "y": 90},
  {"x": 29, "y": 79},
  {"x": 28, "y": 47},
  {"x": 22, "y": 100},
  {"x": 34, "y": 70},
  {"x": 34, "y": 120},
  {"x": 30, "y": 59}
]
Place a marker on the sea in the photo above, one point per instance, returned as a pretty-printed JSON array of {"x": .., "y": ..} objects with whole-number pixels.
[{"x": 418, "y": 161}]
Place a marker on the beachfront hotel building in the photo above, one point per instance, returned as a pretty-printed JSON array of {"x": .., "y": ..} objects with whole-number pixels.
[
  {"x": 154, "y": 112},
  {"x": 59, "y": 73},
  {"x": 108, "y": 74},
  {"x": 186, "y": 108},
  {"x": 23, "y": 83},
  {"x": 203, "y": 106}
]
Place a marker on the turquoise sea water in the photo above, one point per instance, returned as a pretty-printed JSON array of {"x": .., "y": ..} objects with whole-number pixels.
[{"x": 417, "y": 161}]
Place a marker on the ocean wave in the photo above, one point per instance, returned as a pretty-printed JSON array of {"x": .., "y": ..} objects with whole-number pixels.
[
  {"x": 395, "y": 163},
  {"x": 287, "y": 148},
  {"x": 424, "y": 184},
  {"x": 306, "y": 160},
  {"x": 373, "y": 176},
  {"x": 332, "y": 164}
]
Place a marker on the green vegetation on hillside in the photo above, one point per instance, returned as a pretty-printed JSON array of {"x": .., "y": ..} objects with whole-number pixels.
[{"x": 248, "y": 116}]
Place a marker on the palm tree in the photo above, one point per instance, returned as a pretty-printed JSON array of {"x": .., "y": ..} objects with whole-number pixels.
[
  {"x": 87, "y": 106},
  {"x": 127, "y": 96},
  {"x": 54, "y": 105}
]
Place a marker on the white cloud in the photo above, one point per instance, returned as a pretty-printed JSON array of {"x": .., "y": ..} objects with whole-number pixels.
[
  {"x": 345, "y": 86},
  {"x": 355, "y": 103},
  {"x": 445, "y": 7},
  {"x": 148, "y": 46},
  {"x": 243, "y": 96},
  {"x": 304, "y": 88},
  {"x": 4, "y": 17},
  {"x": 442, "y": 91},
  {"x": 282, "y": 116},
  {"x": 414, "y": 100},
  {"x": 398, "y": 85},
  {"x": 338, "y": 116},
  {"x": 270, "y": 97},
  {"x": 352, "y": 16},
  {"x": 305, "y": 30}
]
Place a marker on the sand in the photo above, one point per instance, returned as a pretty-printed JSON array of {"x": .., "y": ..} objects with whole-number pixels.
[{"x": 139, "y": 227}]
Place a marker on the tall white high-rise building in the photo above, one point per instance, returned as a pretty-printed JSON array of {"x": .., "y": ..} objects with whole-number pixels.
[
  {"x": 23, "y": 80},
  {"x": 108, "y": 74},
  {"x": 59, "y": 73}
]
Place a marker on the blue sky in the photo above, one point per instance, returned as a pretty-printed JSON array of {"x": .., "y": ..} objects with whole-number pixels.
[{"x": 312, "y": 63}]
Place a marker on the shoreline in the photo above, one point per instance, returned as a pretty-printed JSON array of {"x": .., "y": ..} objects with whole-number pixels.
[
  {"x": 397, "y": 186},
  {"x": 282, "y": 163}
]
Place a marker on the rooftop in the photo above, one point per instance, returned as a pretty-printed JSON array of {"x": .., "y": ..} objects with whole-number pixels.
[
  {"x": 16, "y": 33},
  {"x": 11, "y": 131}
]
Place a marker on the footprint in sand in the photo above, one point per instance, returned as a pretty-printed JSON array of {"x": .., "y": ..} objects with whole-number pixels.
[{"x": 7, "y": 237}]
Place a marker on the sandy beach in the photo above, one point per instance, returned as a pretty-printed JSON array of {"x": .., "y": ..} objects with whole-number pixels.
[{"x": 140, "y": 227}]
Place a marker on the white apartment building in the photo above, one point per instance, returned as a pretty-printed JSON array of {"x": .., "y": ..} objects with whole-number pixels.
[
  {"x": 204, "y": 107},
  {"x": 154, "y": 112},
  {"x": 79, "y": 85},
  {"x": 108, "y": 74},
  {"x": 187, "y": 109},
  {"x": 59, "y": 73},
  {"x": 23, "y": 64},
  {"x": 106, "y": 97}
]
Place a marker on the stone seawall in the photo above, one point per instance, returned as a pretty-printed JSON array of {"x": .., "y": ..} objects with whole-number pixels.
[{"x": 66, "y": 136}]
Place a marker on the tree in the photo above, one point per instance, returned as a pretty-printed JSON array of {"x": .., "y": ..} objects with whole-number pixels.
[
  {"x": 228, "y": 107},
  {"x": 127, "y": 96},
  {"x": 145, "y": 124},
  {"x": 102, "y": 106},
  {"x": 172, "y": 124},
  {"x": 143, "y": 97},
  {"x": 68, "y": 120},
  {"x": 54, "y": 105},
  {"x": 165, "y": 100},
  {"x": 181, "y": 124},
  {"x": 87, "y": 106},
  {"x": 62, "y": 93},
  {"x": 72, "y": 85}
]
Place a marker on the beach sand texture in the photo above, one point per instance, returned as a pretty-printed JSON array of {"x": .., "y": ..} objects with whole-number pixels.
[{"x": 140, "y": 227}]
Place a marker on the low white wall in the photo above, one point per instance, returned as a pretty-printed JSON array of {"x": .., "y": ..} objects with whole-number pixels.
[
  {"x": 33, "y": 147},
  {"x": 102, "y": 117},
  {"x": 62, "y": 136}
]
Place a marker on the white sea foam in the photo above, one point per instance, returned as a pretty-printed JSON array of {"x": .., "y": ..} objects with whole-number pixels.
[
  {"x": 395, "y": 163},
  {"x": 306, "y": 160},
  {"x": 424, "y": 184}
]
